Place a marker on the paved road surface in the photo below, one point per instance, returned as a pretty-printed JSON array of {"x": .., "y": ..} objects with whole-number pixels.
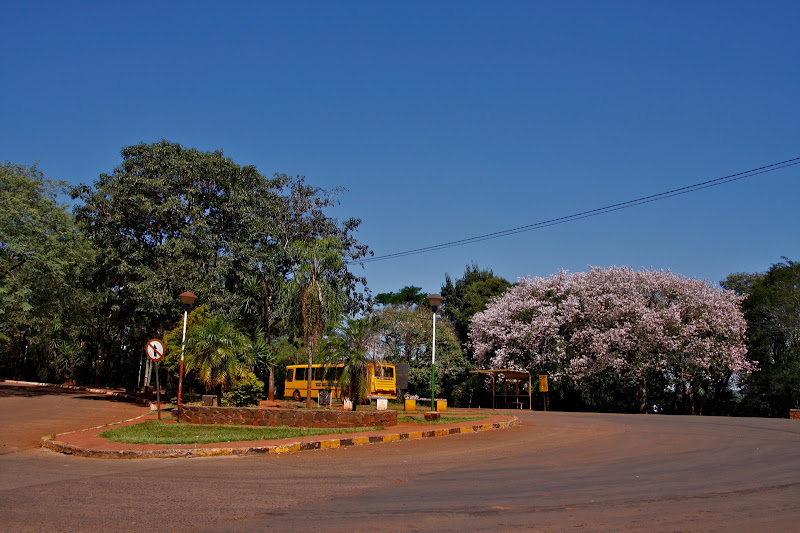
[
  {"x": 29, "y": 412},
  {"x": 558, "y": 471}
]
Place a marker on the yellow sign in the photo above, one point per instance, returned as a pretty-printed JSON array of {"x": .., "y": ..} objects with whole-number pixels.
[{"x": 542, "y": 383}]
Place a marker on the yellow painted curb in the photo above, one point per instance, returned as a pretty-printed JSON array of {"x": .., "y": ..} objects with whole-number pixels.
[{"x": 71, "y": 449}]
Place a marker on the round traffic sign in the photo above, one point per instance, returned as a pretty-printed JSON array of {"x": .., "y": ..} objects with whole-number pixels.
[{"x": 155, "y": 349}]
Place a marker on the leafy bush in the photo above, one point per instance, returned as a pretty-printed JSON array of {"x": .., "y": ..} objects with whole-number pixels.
[{"x": 247, "y": 392}]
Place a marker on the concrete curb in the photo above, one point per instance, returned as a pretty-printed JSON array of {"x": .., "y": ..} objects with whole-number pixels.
[{"x": 323, "y": 444}]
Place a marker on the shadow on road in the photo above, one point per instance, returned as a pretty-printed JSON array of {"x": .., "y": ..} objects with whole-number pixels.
[{"x": 13, "y": 390}]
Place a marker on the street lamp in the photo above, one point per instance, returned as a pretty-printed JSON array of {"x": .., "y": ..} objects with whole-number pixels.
[
  {"x": 187, "y": 299},
  {"x": 435, "y": 300}
]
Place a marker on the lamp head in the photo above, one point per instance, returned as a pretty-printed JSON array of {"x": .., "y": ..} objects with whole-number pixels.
[
  {"x": 435, "y": 300},
  {"x": 187, "y": 299}
]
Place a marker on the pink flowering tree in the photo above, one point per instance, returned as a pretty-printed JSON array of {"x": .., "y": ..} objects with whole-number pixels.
[{"x": 635, "y": 325}]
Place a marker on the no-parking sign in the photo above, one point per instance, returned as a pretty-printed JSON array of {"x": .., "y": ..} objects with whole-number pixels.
[{"x": 155, "y": 350}]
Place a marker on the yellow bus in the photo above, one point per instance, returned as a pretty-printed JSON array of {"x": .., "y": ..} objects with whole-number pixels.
[{"x": 382, "y": 381}]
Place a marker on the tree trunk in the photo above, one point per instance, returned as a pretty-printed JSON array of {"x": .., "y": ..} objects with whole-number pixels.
[
  {"x": 309, "y": 403},
  {"x": 271, "y": 389},
  {"x": 641, "y": 395}
]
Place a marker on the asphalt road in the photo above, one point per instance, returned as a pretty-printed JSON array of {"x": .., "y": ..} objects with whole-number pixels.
[{"x": 557, "y": 471}]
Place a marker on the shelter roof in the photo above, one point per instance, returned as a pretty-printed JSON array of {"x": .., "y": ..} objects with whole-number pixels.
[{"x": 507, "y": 373}]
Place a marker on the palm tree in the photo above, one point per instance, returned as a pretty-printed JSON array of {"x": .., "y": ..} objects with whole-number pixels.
[
  {"x": 219, "y": 352},
  {"x": 315, "y": 295},
  {"x": 348, "y": 345}
]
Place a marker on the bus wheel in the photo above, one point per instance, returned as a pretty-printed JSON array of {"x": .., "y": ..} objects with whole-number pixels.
[{"x": 296, "y": 395}]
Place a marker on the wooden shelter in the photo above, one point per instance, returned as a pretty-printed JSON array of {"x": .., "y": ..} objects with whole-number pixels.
[{"x": 510, "y": 399}]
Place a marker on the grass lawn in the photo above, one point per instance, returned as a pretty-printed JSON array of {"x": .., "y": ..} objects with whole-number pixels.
[
  {"x": 420, "y": 419},
  {"x": 156, "y": 432}
]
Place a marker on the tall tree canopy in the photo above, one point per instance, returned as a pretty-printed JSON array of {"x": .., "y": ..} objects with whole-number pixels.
[
  {"x": 43, "y": 257},
  {"x": 772, "y": 309},
  {"x": 632, "y": 324},
  {"x": 469, "y": 295},
  {"x": 315, "y": 296},
  {"x": 170, "y": 219},
  {"x": 408, "y": 295}
]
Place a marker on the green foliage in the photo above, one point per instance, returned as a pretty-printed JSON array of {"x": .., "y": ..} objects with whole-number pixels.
[
  {"x": 219, "y": 353},
  {"x": 315, "y": 296},
  {"x": 247, "y": 392},
  {"x": 43, "y": 260},
  {"x": 772, "y": 310},
  {"x": 68, "y": 356},
  {"x": 170, "y": 218},
  {"x": 469, "y": 295},
  {"x": 406, "y": 338},
  {"x": 348, "y": 345},
  {"x": 408, "y": 295},
  {"x": 174, "y": 337},
  {"x": 157, "y": 432}
]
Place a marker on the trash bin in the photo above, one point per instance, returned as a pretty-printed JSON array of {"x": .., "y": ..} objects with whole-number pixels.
[
  {"x": 210, "y": 400},
  {"x": 441, "y": 405},
  {"x": 410, "y": 404},
  {"x": 382, "y": 404}
]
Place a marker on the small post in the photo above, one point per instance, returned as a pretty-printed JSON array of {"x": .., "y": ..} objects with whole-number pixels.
[
  {"x": 155, "y": 352},
  {"x": 543, "y": 390},
  {"x": 158, "y": 393}
]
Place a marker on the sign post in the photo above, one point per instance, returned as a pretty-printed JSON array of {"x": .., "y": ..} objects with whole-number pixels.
[
  {"x": 155, "y": 351},
  {"x": 543, "y": 389}
]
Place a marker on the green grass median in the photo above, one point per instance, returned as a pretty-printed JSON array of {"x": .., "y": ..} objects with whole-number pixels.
[{"x": 156, "y": 432}]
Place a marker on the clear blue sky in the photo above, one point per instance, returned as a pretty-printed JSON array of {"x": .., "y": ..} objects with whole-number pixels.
[{"x": 444, "y": 120}]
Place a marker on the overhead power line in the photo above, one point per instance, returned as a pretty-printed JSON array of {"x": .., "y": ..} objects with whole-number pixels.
[{"x": 586, "y": 214}]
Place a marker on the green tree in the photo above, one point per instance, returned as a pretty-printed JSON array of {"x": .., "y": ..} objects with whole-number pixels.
[
  {"x": 408, "y": 295},
  {"x": 469, "y": 295},
  {"x": 170, "y": 218},
  {"x": 43, "y": 257},
  {"x": 348, "y": 345},
  {"x": 316, "y": 294},
  {"x": 219, "y": 353},
  {"x": 405, "y": 334},
  {"x": 772, "y": 310}
]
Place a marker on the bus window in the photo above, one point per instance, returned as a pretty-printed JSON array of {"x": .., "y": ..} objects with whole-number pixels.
[
  {"x": 290, "y": 374},
  {"x": 300, "y": 374},
  {"x": 384, "y": 372}
]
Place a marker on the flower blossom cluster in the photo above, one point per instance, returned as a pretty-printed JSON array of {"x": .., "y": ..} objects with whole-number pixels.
[{"x": 615, "y": 319}]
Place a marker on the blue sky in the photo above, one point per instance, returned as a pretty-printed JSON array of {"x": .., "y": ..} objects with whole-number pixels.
[{"x": 444, "y": 120}]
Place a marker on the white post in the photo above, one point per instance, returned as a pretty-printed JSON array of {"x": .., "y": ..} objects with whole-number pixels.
[
  {"x": 183, "y": 347},
  {"x": 433, "y": 365}
]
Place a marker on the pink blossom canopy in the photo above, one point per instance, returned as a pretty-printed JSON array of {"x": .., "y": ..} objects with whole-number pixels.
[{"x": 613, "y": 319}]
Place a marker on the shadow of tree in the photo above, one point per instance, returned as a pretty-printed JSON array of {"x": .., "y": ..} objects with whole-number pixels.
[{"x": 10, "y": 390}]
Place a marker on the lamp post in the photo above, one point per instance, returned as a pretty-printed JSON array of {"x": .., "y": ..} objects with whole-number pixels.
[
  {"x": 435, "y": 300},
  {"x": 187, "y": 299}
]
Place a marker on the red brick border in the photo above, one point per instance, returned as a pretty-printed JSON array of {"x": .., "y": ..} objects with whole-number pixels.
[{"x": 296, "y": 418}]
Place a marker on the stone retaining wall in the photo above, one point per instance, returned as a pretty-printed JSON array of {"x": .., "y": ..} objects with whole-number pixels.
[{"x": 302, "y": 418}]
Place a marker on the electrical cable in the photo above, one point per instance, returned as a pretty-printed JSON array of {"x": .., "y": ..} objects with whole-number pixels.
[{"x": 586, "y": 214}]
